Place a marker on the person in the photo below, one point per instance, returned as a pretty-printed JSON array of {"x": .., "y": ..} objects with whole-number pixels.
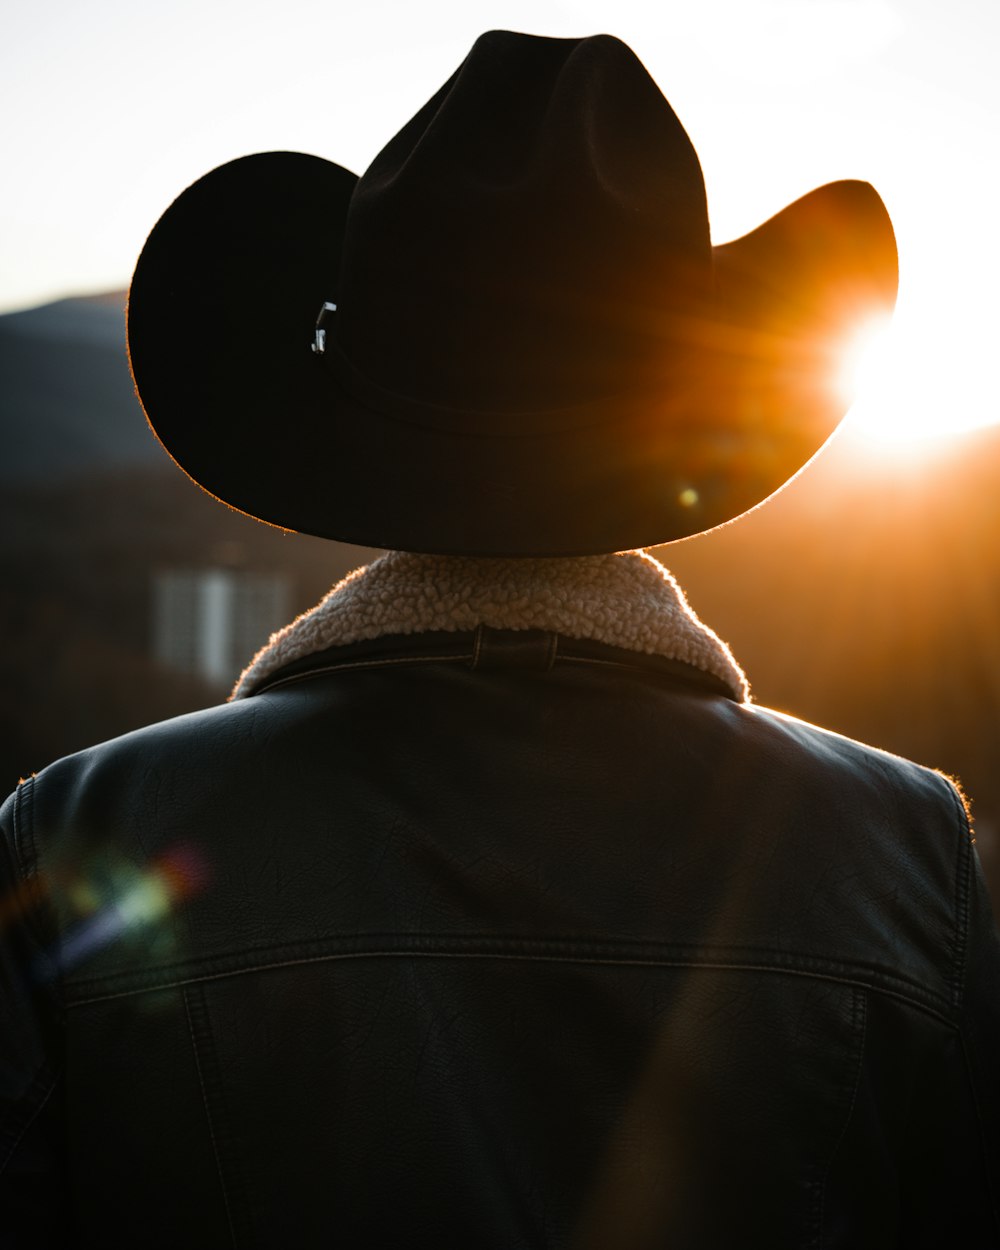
[{"x": 490, "y": 910}]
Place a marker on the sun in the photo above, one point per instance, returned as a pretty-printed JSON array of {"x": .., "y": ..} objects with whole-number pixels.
[
  {"x": 864, "y": 359},
  {"x": 875, "y": 375},
  {"x": 913, "y": 379}
]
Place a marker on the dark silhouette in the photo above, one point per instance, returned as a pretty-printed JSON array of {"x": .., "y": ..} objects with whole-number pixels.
[{"x": 490, "y": 910}]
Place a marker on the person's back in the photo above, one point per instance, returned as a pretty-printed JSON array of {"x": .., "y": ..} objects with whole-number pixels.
[
  {"x": 491, "y": 911},
  {"x": 506, "y": 938}
]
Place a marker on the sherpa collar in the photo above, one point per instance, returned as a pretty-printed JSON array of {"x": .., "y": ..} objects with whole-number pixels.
[{"x": 627, "y": 600}]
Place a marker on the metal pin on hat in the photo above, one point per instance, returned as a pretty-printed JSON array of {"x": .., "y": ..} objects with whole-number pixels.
[{"x": 319, "y": 337}]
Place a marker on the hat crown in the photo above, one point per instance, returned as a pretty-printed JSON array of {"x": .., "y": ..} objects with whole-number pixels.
[{"x": 525, "y": 239}]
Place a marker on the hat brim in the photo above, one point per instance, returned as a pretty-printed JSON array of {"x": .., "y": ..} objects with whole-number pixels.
[{"x": 220, "y": 322}]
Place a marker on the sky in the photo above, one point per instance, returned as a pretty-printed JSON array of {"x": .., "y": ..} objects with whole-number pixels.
[{"x": 112, "y": 107}]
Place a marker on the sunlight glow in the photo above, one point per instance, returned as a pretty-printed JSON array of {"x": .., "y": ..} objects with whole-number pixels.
[
  {"x": 864, "y": 357},
  {"x": 917, "y": 379}
]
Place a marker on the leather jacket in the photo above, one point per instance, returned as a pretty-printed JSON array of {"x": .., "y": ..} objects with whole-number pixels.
[{"x": 495, "y": 939}]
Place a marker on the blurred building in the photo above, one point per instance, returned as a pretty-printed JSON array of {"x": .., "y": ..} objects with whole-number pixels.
[{"x": 210, "y": 622}]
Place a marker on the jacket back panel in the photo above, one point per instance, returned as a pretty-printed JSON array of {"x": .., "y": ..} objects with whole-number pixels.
[{"x": 582, "y": 957}]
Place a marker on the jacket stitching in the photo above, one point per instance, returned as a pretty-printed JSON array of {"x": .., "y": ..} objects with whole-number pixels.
[
  {"x": 321, "y": 670},
  {"x": 483, "y": 955},
  {"x": 860, "y": 1015},
  {"x": 208, "y": 1115},
  {"x": 26, "y": 855},
  {"x": 963, "y": 885},
  {"x": 12, "y": 1151},
  {"x": 470, "y": 657},
  {"x": 971, "y": 1059},
  {"x": 24, "y": 841},
  {"x": 575, "y": 949}
]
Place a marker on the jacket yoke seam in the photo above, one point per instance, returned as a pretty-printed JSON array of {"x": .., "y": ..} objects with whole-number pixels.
[
  {"x": 388, "y": 953},
  {"x": 575, "y": 948}
]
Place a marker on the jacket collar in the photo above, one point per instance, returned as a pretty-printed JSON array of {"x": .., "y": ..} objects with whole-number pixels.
[{"x": 628, "y": 602}]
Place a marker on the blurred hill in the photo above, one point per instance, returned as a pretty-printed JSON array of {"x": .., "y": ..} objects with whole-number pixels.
[
  {"x": 66, "y": 404},
  {"x": 90, "y": 509},
  {"x": 866, "y": 596}
]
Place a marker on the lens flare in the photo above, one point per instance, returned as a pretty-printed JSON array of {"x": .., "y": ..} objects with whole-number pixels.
[{"x": 127, "y": 901}]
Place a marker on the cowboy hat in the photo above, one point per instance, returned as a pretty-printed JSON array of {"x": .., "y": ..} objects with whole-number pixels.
[{"x": 512, "y": 334}]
